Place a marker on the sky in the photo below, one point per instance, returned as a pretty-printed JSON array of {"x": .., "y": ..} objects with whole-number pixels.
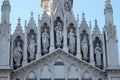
[{"x": 93, "y": 9}]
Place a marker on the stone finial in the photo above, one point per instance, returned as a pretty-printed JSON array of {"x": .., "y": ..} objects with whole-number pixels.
[
  {"x": 90, "y": 24},
  {"x": 96, "y": 25},
  {"x": 25, "y": 23},
  {"x": 78, "y": 18},
  {"x": 38, "y": 17},
  {"x": 108, "y": 2},
  {"x": 19, "y": 20},
  {"x": 32, "y": 13},
  {"x": 83, "y": 16}
]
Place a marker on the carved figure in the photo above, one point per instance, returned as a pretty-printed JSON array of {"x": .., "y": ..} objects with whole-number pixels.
[
  {"x": 45, "y": 41},
  {"x": 71, "y": 37},
  {"x": 59, "y": 36},
  {"x": 98, "y": 52},
  {"x": 85, "y": 48},
  {"x": 31, "y": 48},
  {"x": 17, "y": 55}
]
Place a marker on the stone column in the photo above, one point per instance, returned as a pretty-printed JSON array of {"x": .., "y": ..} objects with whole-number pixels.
[
  {"x": 78, "y": 41},
  {"x": 38, "y": 55},
  {"x": 25, "y": 48},
  {"x": 52, "y": 44},
  {"x": 65, "y": 48},
  {"x": 104, "y": 55},
  {"x": 92, "y": 61}
]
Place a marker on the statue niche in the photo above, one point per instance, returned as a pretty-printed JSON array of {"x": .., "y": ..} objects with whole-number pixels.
[
  {"x": 32, "y": 45},
  {"x": 45, "y": 41},
  {"x": 18, "y": 52},
  {"x": 58, "y": 33},
  {"x": 98, "y": 52},
  {"x": 71, "y": 41},
  {"x": 85, "y": 46}
]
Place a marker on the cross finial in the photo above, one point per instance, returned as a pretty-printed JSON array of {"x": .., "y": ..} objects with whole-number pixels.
[
  {"x": 19, "y": 20},
  {"x": 83, "y": 15},
  {"x": 96, "y": 23},
  {"x": 108, "y": 1},
  {"x": 31, "y": 13}
]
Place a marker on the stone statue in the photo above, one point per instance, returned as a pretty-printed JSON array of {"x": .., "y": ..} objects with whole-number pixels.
[
  {"x": 71, "y": 37},
  {"x": 45, "y": 41},
  {"x": 98, "y": 52},
  {"x": 31, "y": 48},
  {"x": 85, "y": 48},
  {"x": 59, "y": 36},
  {"x": 17, "y": 55}
]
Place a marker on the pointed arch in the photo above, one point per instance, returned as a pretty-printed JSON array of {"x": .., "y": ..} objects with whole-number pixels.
[
  {"x": 59, "y": 68},
  {"x": 73, "y": 69},
  {"x": 45, "y": 72},
  {"x": 86, "y": 76},
  {"x": 31, "y": 76}
]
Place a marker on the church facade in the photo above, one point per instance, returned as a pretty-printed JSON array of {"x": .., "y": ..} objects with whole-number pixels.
[{"x": 59, "y": 47}]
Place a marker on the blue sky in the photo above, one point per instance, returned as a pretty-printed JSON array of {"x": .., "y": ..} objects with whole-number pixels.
[{"x": 93, "y": 9}]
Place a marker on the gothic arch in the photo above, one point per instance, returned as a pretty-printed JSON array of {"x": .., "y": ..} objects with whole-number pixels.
[
  {"x": 98, "y": 52},
  {"x": 58, "y": 32},
  {"x": 71, "y": 39},
  {"x": 85, "y": 46},
  {"x": 45, "y": 36},
  {"x": 31, "y": 76},
  {"x": 45, "y": 72},
  {"x": 18, "y": 52},
  {"x": 59, "y": 68},
  {"x": 31, "y": 39},
  {"x": 86, "y": 76},
  {"x": 73, "y": 69}
]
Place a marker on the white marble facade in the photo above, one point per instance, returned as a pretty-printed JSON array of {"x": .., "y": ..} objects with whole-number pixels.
[{"x": 59, "y": 47}]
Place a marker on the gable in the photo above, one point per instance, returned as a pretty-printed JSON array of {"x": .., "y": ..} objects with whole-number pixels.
[{"x": 60, "y": 63}]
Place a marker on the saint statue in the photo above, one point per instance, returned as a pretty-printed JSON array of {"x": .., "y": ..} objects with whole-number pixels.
[
  {"x": 71, "y": 37},
  {"x": 59, "y": 36},
  {"x": 45, "y": 41},
  {"x": 98, "y": 52},
  {"x": 31, "y": 48},
  {"x": 17, "y": 55},
  {"x": 85, "y": 48}
]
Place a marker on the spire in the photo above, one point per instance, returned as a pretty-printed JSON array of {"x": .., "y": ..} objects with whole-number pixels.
[
  {"x": 83, "y": 22},
  {"x": 18, "y": 28},
  {"x": 96, "y": 25},
  {"x": 31, "y": 21},
  {"x": 108, "y": 11},
  {"x": 96, "y": 29},
  {"x": 19, "y": 22},
  {"x": 83, "y": 16},
  {"x": 5, "y": 11},
  {"x": 108, "y": 4}
]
